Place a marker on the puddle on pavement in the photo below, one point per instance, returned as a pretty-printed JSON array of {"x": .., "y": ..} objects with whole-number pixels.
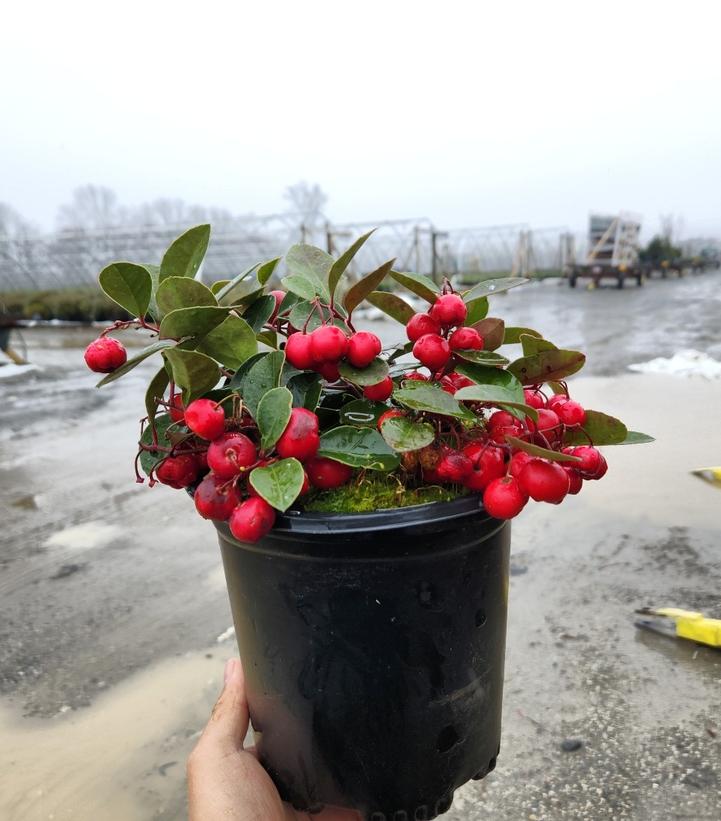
[{"x": 123, "y": 759}]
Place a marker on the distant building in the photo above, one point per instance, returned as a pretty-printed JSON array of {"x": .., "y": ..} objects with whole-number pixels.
[{"x": 613, "y": 240}]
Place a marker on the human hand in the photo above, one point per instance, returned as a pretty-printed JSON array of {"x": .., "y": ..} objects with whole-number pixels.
[{"x": 225, "y": 781}]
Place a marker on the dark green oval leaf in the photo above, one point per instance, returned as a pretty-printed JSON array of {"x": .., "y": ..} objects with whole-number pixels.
[
  {"x": 496, "y": 395},
  {"x": 133, "y": 362},
  {"x": 421, "y": 285},
  {"x": 477, "y": 310},
  {"x": 267, "y": 269},
  {"x": 358, "y": 292},
  {"x": 217, "y": 287},
  {"x": 358, "y": 447},
  {"x": 304, "y": 288},
  {"x": 305, "y": 388},
  {"x": 403, "y": 434},
  {"x": 373, "y": 374},
  {"x": 149, "y": 460},
  {"x": 482, "y": 357},
  {"x": 488, "y": 375},
  {"x": 311, "y": 263},
  {"x": 129, "y": 285},
  {"x": 280, "y": 483},
  {"x": 391, "y": 304},
  {"x": 231, "y": 343},
  {"x": 194, "y": 372},
  {"x": 546, "y": 366},
  {"x": 181, "y": 292},
  {"x": 362, "y": 413},
  {"x": 491, "y": 329},
  {"x": 422, "y": 396},
  {"x": 226, "y": 295},
  {"x": 542, "y": 453},
  {"x": 493, "y": 286},
  {"x": 633, "y": 437},
  {"x": 259, "y": 312},
  {"x": 512, "y": 335},
  {"x": 305, "y": 315},
  {"x": 261, "y": 377},
  {"x": 533, "y": 344},
  {"x": 155, "y": 392},
  {"x": 600, "y": 427},
  {"x": 273, "y": 415},
  {"x": 183, "y": 257},
  {"x": 184, "y": 322}
]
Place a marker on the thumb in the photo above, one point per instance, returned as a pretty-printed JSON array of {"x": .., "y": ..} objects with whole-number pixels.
[{"x": 229, "y": 720}]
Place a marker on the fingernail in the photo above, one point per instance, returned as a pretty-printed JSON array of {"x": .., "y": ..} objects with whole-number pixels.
[{"x": 230, "y": 666}]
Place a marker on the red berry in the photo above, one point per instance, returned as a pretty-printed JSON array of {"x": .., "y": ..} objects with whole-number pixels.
[
  {"x": 216, "y": 498},
  {"x": 571, "y": 413},
  {"x": 202, "y": 459},
  {"x": 300, "y": 438},
  {"x": 465, "y": 339},
  {"x": 105, "y": 355},
  {"x": 556, "y": 401},
  {"x": 177, "y": 471},
  {"x": 592, "y": 461},
  {"x": 298, "y": 351},
  {"x": 230, "y": 454},
  {"x": 380, "y": 391},
  {"x": 544, "y": 481},
  {"x": 488, "y": 464},
  {"x": 432, "y": 351},
  {"x": 548, "y": 423},
  {"x": 459, "y": 381},
  {"x": 328, "y": 370},
  {"x": 448, "y": 386},
  {"x": 363, "y": 348},
  {"x": 279, "y": 297},
  {"x": 502, "y": 424},
  {"x": 449, "y": 310},
  {"x": 389, "y": 414},
  {"x": 454, "y": 467},
  {"x": 206, "y": 418},
  {"x": 327, "y": 473},
  {"x": 534, "y": 399},
  {"x": 306, "y": 484},
  {"x": 251, "y": 520},
  {"x": 421, "y": 324},
  {"x": 504, "y": 498},
  {"x": 501, "y": 419},
  {"x": 415, "y": 376},
  {"x": 519, "y": 460},
  {"x": 176, "y": 408},
  {"x": 575, "y": 481},
  {"x": 328, "y": 344}
]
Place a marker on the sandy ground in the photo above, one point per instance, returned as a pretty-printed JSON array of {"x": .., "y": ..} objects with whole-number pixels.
[{"x": 114, "y": 620}]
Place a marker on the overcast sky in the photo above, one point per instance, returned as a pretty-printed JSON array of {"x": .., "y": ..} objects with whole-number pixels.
[{"x": 470, "y": 113}]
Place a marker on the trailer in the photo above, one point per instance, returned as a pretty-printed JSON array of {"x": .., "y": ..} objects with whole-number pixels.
[{"x": 620, "y": 274}]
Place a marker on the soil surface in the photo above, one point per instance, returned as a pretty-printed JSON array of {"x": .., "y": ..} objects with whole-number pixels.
[{"x": 114, "y": 622}]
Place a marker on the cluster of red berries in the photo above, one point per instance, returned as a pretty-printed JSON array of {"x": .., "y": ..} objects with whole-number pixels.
[
  {"x": 225, "y": 457},
  {"x": 433, "y": 336},
  {"x": 327, "y": 346}
]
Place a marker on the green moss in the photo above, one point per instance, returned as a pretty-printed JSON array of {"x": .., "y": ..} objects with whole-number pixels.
[{"x": 377, "y": 492}]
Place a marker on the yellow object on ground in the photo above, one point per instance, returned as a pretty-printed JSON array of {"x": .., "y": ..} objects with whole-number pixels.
[
  {"x": 686, "y": 624},
  {"x": 711, "y": 475}
]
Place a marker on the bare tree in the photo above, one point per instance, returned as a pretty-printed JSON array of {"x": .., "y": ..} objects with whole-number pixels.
[
  {"x": 93, "y": 208},
  {"x": 307, "y": 201}
]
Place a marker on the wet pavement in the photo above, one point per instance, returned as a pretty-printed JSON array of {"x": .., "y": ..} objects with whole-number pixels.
[{"x": 114, "y": 620}]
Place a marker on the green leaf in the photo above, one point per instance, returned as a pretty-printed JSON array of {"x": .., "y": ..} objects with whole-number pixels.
[
  {"x": 600, "y": 427},
  {"x": 493, "y": 286},
  {"x": 231, "y": 343},
  {"x": 267, "y": 269},
  {"x": 218, "y": 286},
  {"x": 633, "y": 437},
  {"x": 512, "y": 335},
  {"x": 259, "y": 312},
  {"x": 155, "y": 392},
  {"x": 399, "y": 351},
  {"x": 419, "y": 284},
  {"x": 542, "y": 453},
  {"x": 338, "y": 268},
  {"x": 491, "y": 329},
  {"x": 236, "y": 383},
  {"x": 280, "y": 483},
  {"x": 273, "y": 416},
  {"x": 496, "y": 395},
  {"x": 371, "y": 375},
  {"x": 227, "y": 293},
  {"x": 390, "y": 304},
  {"x": 535, "y": 344},
  {"x": 262, "y": 376},
  {"x": 362, "y": 413},
  {"x": 358, "y": 292},
  {"x": 311, "y": 263},
  {"x": 304, "y": 288},
  {"x": 269, "y": 338},
  {"x": 160, "y": 345},
  {"x": 184, "y": 322},
  {"x": 482, "y": 357},
  {"x": 148, "y": 460},
  {"x": 129, "y": 285},
  {"x": 403, "y": 434},
  {"x": 305, "y": 315},
  {"x": 422, "y": 396},
  {"x": 194, "y": 372},
  {"x": 358, "y": 447},
  {"x": 488, "y": 375},
  {"x": 289, "y": 300},
  {"x": 477, "y": 310},
  {"x": 244, "y": 293},
  {"x": 546, "y": 366},
  {"x": 181, "y": 292},
  {"x": 185, "y": 254},
  {"x": 305, "y": 388},
  {"x": 154, "y": 273}
]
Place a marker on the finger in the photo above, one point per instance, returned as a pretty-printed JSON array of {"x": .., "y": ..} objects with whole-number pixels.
[{"x": 229, "y": 720}]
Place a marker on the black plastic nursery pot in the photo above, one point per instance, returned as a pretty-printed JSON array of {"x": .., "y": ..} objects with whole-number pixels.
[{"x": 373, "y": 647}]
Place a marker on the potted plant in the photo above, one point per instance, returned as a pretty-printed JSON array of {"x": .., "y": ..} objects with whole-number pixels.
[{"x": 361, "y": 497}]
